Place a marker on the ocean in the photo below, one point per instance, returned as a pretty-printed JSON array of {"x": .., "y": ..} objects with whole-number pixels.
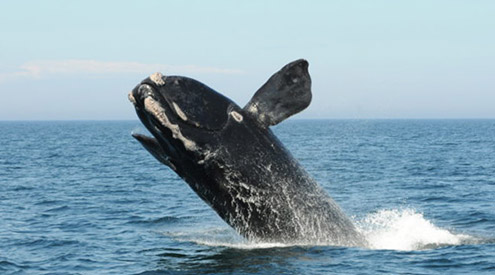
[{"x": 83, "y": 197}]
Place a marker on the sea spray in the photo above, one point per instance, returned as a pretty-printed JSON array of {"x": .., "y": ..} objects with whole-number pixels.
[{"x": 405, "y": 229}]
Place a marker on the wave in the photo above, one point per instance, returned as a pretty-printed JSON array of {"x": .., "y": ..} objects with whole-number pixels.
[
  {"x": 155, "y": 221},
  {"x": 388, "y": 229}
]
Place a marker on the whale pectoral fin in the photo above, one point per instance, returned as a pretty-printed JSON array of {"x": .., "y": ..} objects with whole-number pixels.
[
  {"x": 286, "y": 93},
  {"x": 151, "y": 144}
]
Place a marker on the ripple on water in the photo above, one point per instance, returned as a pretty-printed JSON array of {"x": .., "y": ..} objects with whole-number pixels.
[{"x": 137, "y": 220}]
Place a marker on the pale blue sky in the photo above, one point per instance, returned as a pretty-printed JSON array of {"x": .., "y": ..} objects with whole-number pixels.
[{"x": 368, "y": 59}]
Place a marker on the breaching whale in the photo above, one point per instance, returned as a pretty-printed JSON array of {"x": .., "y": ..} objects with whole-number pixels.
[{"x": 229, "y": 156}]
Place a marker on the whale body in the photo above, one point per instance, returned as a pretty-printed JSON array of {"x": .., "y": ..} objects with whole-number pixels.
[{"x": 229, "y": 156}]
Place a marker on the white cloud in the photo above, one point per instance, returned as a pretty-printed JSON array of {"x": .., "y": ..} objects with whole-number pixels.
[{"x": 42, "y": 68}]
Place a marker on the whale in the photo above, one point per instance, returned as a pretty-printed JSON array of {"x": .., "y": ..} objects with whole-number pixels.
[{"x": 233, "y": 161}]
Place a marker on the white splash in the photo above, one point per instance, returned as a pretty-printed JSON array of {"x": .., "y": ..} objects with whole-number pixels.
[
  {"x": 221, "y": 237},
  {"x": 405, "y": 230}
]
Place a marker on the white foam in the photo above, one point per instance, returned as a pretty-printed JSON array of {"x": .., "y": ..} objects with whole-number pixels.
[
  {"x": 222, "y": 237},
  {"x": 405, "y": 230},
  {"x": 242, "y": 245}
]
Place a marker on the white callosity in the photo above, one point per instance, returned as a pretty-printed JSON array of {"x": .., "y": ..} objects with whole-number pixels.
[
  {"x": 238, "y": 117},
  {"x": 131, "y": 98},
  {"x": 179, "y": 112},
  {"x": 157, "y": 78},
  {"x": 154, "y": 108}
]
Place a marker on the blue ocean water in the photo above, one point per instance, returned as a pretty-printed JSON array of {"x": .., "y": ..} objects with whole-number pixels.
[{"x": 85, "y": 198}]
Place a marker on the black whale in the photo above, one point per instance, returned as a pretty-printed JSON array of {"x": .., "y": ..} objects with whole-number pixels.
[{"x": 234, "y": 162}]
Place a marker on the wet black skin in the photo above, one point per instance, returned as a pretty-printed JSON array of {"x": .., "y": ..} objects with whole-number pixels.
[{"x": 237, "y": 165}]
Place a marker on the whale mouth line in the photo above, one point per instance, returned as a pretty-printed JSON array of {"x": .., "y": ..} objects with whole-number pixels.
[
  {"x": 166, "y": 143},
  {"x": 156, "y": 110},
  {"x": 159, "y": 117}
]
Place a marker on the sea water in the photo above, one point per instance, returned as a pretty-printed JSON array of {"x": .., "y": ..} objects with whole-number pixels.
[{"x": 85, "y": 198}]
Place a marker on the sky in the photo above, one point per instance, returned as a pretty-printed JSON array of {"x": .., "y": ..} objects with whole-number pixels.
[{"x": 77, "y": 60}]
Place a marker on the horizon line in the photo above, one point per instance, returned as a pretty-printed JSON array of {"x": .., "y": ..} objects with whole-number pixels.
[{"x": 290, "y": 119}]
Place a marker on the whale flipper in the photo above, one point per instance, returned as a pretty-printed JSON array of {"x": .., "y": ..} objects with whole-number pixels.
[{"x": 286, "y": 93}]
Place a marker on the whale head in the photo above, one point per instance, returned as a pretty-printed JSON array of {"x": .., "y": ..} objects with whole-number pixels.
[{"x": 182, "y": 114}]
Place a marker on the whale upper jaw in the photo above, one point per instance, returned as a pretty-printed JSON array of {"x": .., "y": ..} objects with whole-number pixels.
[{"x": 168, "y": 144}]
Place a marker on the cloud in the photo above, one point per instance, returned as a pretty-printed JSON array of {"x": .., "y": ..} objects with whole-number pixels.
[{"x": 43, "y": 68}]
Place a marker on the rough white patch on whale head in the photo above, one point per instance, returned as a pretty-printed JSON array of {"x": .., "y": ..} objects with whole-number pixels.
[
  {"x": 179, "y": 112},
  {"x": 153, "y": 107},
  {"x": 131, "y": 98},
  {"x": 157, "y": 78},
  {"x": 238, "y": 117}
]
